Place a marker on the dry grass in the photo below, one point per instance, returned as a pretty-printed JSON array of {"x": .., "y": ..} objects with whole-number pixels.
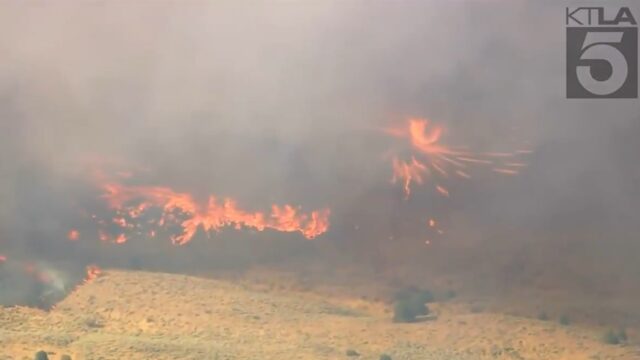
[{"x": 138, "y": 315}]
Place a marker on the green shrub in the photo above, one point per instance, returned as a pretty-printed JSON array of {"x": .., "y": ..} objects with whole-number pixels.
[
  {"x": 543, "y": 316},
  {"x": 622, "y": 334},
  {"x": 41, "y": 355},
  {"x": 351, "y": 352},
  {"x": 564, "y": 320},
  {"x": 610, "y": 337},
  {"x": 615, "y": 337},
  {"x": 385, "y": 357},
  {"x": 408, "y": 309}
]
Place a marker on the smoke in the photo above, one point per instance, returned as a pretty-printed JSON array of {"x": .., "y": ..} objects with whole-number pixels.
[{"x": 280, "y": 102}]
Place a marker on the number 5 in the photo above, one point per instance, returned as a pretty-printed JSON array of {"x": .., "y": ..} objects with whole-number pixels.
[{"x": 597, "y": 46}]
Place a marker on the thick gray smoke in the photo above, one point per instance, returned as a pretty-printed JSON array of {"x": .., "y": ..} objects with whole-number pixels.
[{"x": 279, "y": 102}]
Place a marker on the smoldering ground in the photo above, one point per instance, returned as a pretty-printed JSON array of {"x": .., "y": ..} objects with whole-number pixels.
[{"x": 280, "y": 102}]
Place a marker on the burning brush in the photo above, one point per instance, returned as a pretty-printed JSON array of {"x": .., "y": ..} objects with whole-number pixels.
[{"x": 151, "y": 210}]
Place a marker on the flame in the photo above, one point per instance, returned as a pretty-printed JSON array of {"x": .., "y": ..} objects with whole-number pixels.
[
  {"x": 93, "y": 272},
  {"x": 73, "y": 235},
  {"x": 434, "y": 225},
  {"x": 506, "y": 171},
  {"x": 431, "y": 156},
  {"x": 426, "y": 141},
  {"x": 131, "y": 202},
  {"x": 121, "y": 239},
  {"x": 442, "y": 190},
  {"x": 407, "y": 173}
]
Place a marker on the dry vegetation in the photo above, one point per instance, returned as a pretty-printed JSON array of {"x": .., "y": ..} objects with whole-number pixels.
[{"x": 139, "y": 315}]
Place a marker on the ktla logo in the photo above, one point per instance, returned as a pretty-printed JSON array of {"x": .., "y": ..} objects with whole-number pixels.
[{"x": 602, "y": 53}]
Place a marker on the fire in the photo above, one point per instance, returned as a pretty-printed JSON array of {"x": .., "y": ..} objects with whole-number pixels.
[
  {"x": 73, "y": 235},
  {"x": 132, "y": 202},
  {"x": 93, "y": 272},
  {"x": 121, "y": 239},
  {"x": 408, "y": 172},
  {"x": 434, "y": 225},
  {"x": 506, "y": 171},
  {"x": 429, "y": 161},
  {"x": 442, "y": 190},
  {"x": 431, "y": 158}
]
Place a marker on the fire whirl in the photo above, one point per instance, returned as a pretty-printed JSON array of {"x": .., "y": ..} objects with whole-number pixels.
[
  {"x": 432, "y": 159},
  {"x": 429, "y": 161}
]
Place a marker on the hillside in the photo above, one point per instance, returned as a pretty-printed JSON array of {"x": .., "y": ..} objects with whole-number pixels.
[{"x": 139, "y": 315}]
